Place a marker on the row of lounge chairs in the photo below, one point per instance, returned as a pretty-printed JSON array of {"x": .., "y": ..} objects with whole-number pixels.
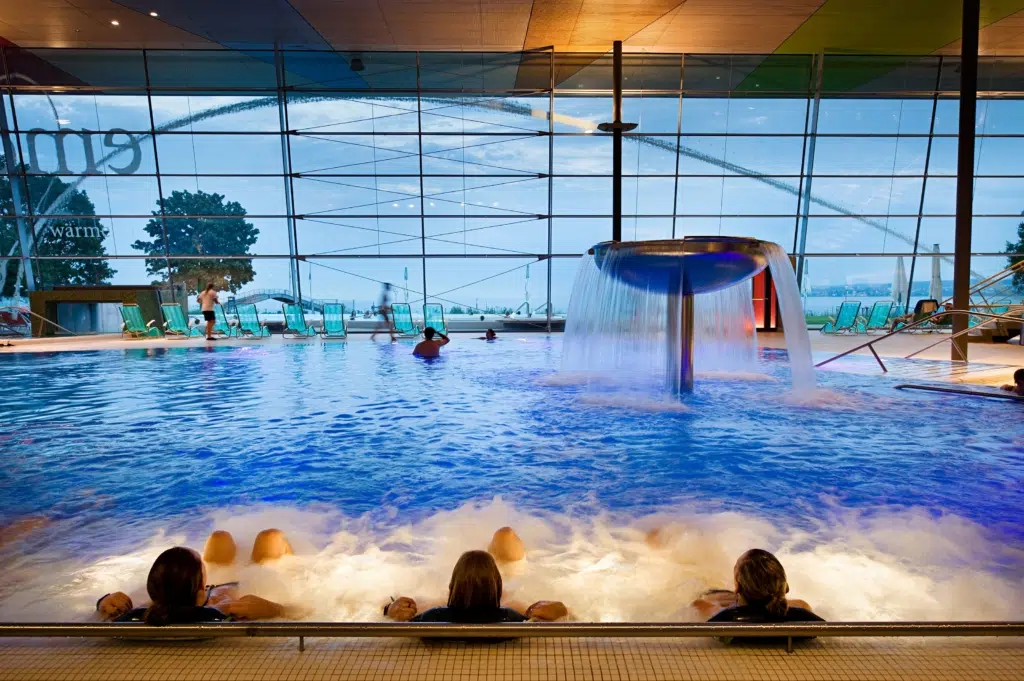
[
  {"x": 883, "y": 313},
  {"x": 248, "y": 324}
]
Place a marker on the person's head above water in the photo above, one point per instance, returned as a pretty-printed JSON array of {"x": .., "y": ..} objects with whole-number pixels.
[
  {"x": 429, "y": 332},
  {"x": 177, "y": 581},
  {"x": 506, "y": 546},
  {"x": 1018, "y": 376},
  {"x": 761, "y": 581},
  {"x": 490, "y": 334},
  {"x": 476, "y": 583}
]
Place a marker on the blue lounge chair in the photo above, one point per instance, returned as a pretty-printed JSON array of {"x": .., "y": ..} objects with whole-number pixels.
[
  {"x": 845, "y": 321},
  {"x": 249, "y": 324},
  {"x": 433, "y": 316},
  {"x": 176, "y": 324},
  {"x": 401, "y": 321},
  {"x": 923, "y": 309},
  {"x": 295, "y": 323},
  {"x": 221, "y": 325},
  {"x": 878, "y": 320},
  {"x": 334, "y": 321},
  {"x": 134, "y": 326}
]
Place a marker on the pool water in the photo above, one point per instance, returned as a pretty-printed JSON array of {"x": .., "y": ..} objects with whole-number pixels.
[{"x": 382, "y": 467}]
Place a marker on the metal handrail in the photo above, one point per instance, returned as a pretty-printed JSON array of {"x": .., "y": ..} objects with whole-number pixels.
[
  {"x": 303, "y": 630},
  {"x": 941, "y": 313},
  {"x": 991, "y": 280},
  {"x": 37, "y": 316}
]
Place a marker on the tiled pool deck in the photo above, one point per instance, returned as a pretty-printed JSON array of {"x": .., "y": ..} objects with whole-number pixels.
[{"x": 954, "y": 659}]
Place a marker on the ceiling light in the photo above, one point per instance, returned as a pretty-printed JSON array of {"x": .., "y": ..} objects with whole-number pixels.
[
  {"x": 63, "y": 121},
  {"x": 153, "y": 14},
  {"x": 115, "y": 22}
]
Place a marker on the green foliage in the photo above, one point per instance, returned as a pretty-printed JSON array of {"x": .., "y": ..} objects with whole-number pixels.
[
  {"x": 1017, "y": 251},
  {"x": 456, "y": 309},
  {"x": 65, "y": 237},
  {"x": 225, "y": 233}
]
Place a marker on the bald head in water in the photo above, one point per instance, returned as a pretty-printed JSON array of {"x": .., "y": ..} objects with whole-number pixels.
[{"x": 506, "y": 546}]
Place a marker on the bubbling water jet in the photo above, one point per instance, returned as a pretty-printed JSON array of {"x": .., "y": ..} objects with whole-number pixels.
[{"x": 645, "y": 313}]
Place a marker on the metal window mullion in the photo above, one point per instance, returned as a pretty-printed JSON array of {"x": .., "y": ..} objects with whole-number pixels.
[
  {"x": 679, "y": 143},
  {"x": 551, "y": 177},
  {"x": 805, "y": 209},
  {"x": 159, "y": 183},
  {"x": 419, "y": 141},
  {"x": 924, "y": 180},
  {"x": 288, "y": 178},
  {"x": 20, "y": 202}
]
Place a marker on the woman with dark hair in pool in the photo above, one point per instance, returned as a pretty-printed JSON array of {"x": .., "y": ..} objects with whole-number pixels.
[
  {"x": 174, "y": 574},
  {"x": 474, "y": 597},
  {"x": 760, "y": 595}
]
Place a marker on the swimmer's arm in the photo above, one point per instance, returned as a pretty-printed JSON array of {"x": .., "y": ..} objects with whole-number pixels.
[
  {"x": 444, "y": 339},
  {"x": 113, "y": 605},
  {"x": 252, "y": 608},
  {"x": 797, "y": 603},
  {"x": 547, "y": 611}
]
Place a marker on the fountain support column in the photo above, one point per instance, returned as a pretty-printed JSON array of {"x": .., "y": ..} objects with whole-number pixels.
[{"x": 679, "y": 343}]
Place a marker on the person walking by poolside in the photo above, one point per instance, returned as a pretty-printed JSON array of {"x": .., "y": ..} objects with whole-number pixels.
[
  {"x": 430, "y": 347},
  {"x": 207, "y": 300},
  {"x": 385, "y": 312}
]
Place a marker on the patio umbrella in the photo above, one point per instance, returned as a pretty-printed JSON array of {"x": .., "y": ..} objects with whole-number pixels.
[
  {"x": 935, "y": 288},
  {"x": 899, "y": 283},
  {"x": 805, "y": 280}
]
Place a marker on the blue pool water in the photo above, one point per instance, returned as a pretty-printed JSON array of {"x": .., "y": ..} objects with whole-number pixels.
[{"x": 112, "y": 447}]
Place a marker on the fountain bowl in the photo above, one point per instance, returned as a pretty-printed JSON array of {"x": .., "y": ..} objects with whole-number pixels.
[{"x": 693, "y": 264}]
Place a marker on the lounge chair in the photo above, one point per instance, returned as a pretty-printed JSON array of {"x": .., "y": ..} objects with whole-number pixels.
[
  {"x": 433, "y": 316},
  {"x": 134, "y": 326},
  {"x": 295, "y": 323},
  {"x": 845, "y": 321},
  {"x": 176, "y": 324},
  {"x": 221, "y": 325},
  {"x": 878, "y": 320},
  {"x": 923, "y": 309},
  {"x": 334, "y": 321},
  {"x": 401, "y": 321},
  {"x": 249, "y": 324}
]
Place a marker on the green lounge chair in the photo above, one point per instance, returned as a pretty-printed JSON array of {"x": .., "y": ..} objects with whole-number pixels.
[
  {"x": 878, "y": 320},
  {"x": 295, "y": 323},
  {"x": 221, "y": 325},
  {"x": 401, "y": 321},
  {"x": 134, "y": 326},
  {"x": 334, "y": 321},
  {"x": 845, "y": 321},
  {"x": 177, "y": 325},
  {"x": 249, "y": 324},
  {"x": 433, "y": 316}
]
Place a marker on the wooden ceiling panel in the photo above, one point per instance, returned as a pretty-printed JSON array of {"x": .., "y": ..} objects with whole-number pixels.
[
  {"x": 589, "y": 25},
  {"x": 348, "y": 24},
  {"x": 714, "y": 26},
  {"x": 86, "y": 23},
  {"x": 1004, "y": 37}
]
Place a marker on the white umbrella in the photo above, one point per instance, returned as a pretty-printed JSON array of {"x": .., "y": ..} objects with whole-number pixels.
[
  {"x": 899, "y": 282},
  {"x": 935, "y": 288},
  {"x": 805, "y": 280}
]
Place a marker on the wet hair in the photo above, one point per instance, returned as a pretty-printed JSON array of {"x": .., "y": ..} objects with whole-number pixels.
[
  {"x": 174, "y": 580},
  {"x": 429, "y": 332},
  {"x": 1018, "y": 376},
  {"x": 476, "y": 583},
  {"x": 761, "y": 581},
  {"x": 209, "y": 287},
  {"x": 490, "y": 332}
]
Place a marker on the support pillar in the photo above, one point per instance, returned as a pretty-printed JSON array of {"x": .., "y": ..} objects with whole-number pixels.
[
  {"x": 679, "y": 344},
  {"x": 616, "y": 127},
  {"x": 965, "y": 174}
]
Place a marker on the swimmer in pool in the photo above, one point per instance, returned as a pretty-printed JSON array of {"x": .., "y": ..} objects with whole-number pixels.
[
  {"x": 760, "y": 596},
  {"x": 489, "y": 336},
  {"x": 430, "y": 347},
  {"x": 178, "y": 594},
  {"x": 1017, "y": 387},
  {"x": 474, "y": 597},
  {"x": 270, "y": 544}
]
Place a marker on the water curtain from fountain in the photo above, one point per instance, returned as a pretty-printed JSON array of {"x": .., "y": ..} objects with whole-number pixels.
[{"x": 644, "y": 313}]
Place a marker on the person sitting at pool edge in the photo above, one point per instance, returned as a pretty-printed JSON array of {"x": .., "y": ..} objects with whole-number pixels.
[
  {"x": 474, "y": 597},
  {"x": 760, "y": 595},
  {"x": 220, "y": 549},
  {"x": 1017, "y": 387},
  {"x": 430, "y": 347},
  {"x": 178, "y": 593}
]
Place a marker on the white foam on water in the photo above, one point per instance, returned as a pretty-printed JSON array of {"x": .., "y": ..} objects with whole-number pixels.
[{"x": 891, "y": 564}]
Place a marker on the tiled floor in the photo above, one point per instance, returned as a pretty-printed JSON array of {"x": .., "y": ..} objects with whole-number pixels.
[{"x": 525, "y": 660}]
